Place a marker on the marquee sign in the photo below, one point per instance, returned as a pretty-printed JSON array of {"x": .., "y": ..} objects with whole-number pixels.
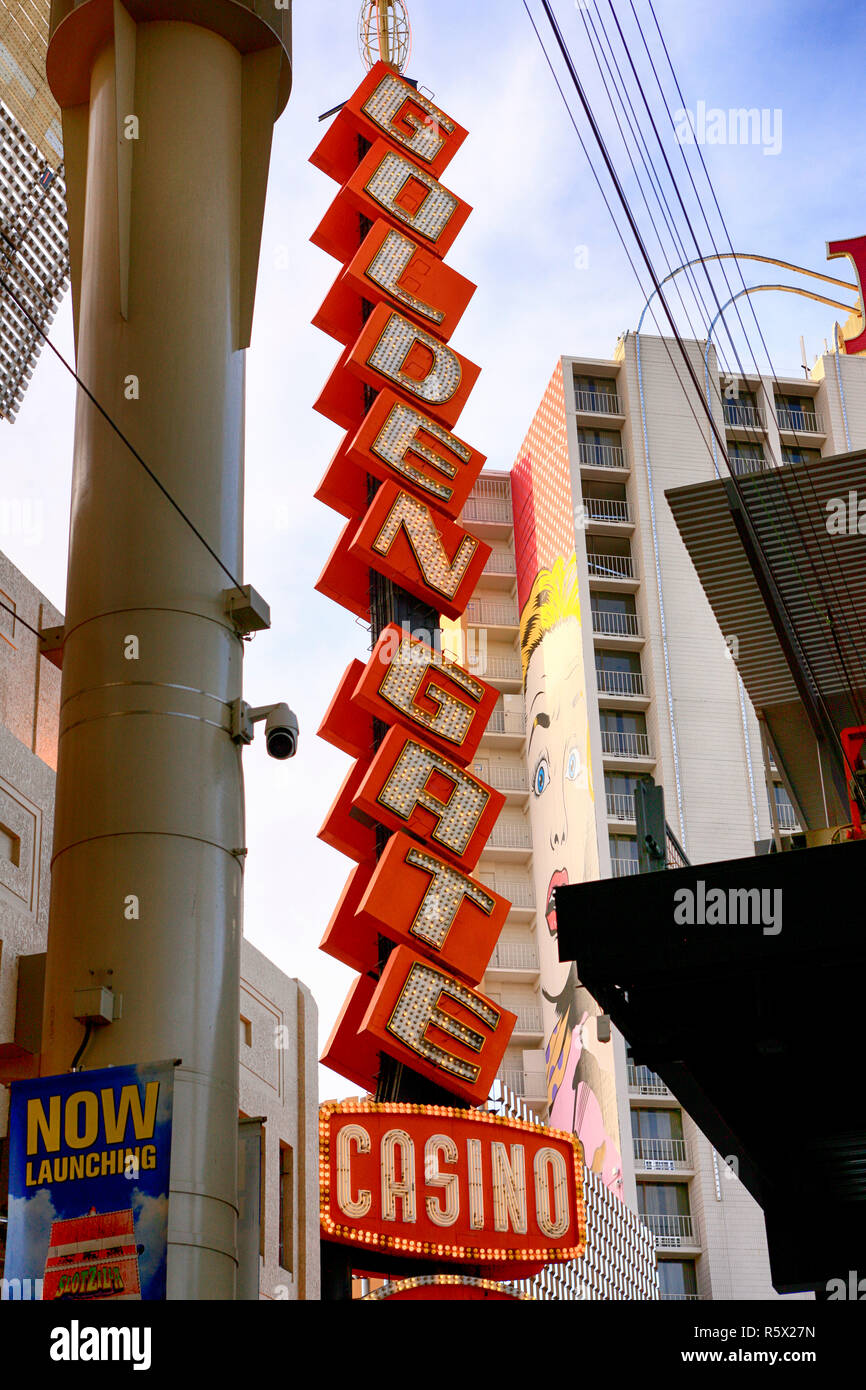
[
  {"x": 461, "y": 1186},
  {"x": 444, "y": 1287},
  {"x": 415, "y": 924}
]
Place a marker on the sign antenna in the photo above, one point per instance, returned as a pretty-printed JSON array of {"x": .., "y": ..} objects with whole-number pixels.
[{"x": 385, "y": 34}]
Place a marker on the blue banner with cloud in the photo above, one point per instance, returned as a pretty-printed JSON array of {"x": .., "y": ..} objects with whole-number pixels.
[{"x": 89, "y": 1163}]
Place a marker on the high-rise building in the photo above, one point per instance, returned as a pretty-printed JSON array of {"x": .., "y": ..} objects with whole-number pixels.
[
  {"x": 592, "y": 622},
  {"x": 34, "y": 253}
]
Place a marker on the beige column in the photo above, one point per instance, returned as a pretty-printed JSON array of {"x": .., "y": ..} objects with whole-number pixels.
[{"x": 167, "y": 131}]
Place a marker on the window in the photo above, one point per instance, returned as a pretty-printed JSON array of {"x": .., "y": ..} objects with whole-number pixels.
[
  {"x": 593, "y": 394},
  {"x": 790, "y": 455},
  {"x": 663, "y": 1199},
  {"x": 615, "y": 721},
  {"x": 10, "y": 845},
  {"x": 747, "y": 458},
  {"x": 287, "y": 1207},
  {"x": 656, "y": 1124},
  {"x": 678, "y": 1279},
  {"x": 614, "y": 615},
  {"x": 623, "y": 855},
  {"x": 246, "y": 1032},
  {"x": 742, "y": 410}
]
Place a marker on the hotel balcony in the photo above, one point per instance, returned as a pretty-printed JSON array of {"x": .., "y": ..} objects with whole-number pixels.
[
  {"x": 616, "y": 625},
  {"x": 673, "y": 1232},
  {"x": 787, "y": 817},
  {"x": 507, "y": 727},
  {"x": 628, "y": 746},
  {"x": 531, "y": 1086},
  {"x": 529, "y": 1024},
  {"x": 662, "y": 1156},
  {"x": 503, "y": 670},
  {"x": 516, "y": 961},
  {"x": 619, "y": 682},
  {"x": 604, "y": 457},
  {"x": 500, "y": 570},
  {"x": 612, "y": 569},
  {"x": 644, "y": 1084},
  {"x": 800, "y": 421},
  {"x": 743, "y": 417},
  {"x": 490, "y": 614},
  {"x": 510, "y": 840},
  {"x": 488, "y": 508},
  {"x": 620, "y": 806},
  {"x": 624, "y": 868},
  {"x": 519, "y": 893},
  {"x": 510, "y": 779},
  {"x": 600, "y": 402},
  {"x": 607, "y": 512},
  {"x": 742, "y": 464}
]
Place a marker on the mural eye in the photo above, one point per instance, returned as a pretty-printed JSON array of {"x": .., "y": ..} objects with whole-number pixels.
[
  {"x": 541, "y": 776},
  {"x": 572, "y": 767}
]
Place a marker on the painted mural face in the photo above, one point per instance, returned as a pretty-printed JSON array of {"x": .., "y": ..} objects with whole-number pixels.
[
  {"x": 558, "y": 763},
  {"x": 580, "y": 1070}
]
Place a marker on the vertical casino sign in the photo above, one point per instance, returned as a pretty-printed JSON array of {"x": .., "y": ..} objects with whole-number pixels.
[
  {"x": 409, "y": 813},
  {"x": 412, "y": 921}
]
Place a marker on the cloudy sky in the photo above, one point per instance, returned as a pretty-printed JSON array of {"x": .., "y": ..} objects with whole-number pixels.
[{"x": 552, "y": 278}]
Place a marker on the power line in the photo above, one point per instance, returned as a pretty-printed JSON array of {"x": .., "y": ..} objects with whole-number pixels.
[
  {"x": 830, "y": 726},
  {"x": 4, "y": 284},
  {"x": 623, "y": 199},
  {"x": 843, "y": 664},
  {"x": 852, "y": 607}
]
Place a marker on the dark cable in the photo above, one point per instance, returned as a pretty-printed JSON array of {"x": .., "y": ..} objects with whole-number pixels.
[
  {"x": 88, "y": 1029},
  {"x": 4, "y": 284}
]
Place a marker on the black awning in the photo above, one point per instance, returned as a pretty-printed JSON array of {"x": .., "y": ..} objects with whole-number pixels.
[{"x": 742, "y": 983}]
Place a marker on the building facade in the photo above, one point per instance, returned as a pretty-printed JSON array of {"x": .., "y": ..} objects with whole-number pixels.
[
  {"x": 278, "y": 1078},
  {"x": 591, "y": 621},
  {"x": 34, "y": 253}
]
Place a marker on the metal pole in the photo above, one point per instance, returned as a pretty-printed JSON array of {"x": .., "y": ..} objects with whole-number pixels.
[
  {"x": 384, "y": 8},
  {"x": 149, "y": 829}
]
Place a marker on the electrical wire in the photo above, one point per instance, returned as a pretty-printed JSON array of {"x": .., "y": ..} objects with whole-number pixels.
[
  {"x": 642, "y": 247},
  {"x": 794, "y": 477},
  {"x": 4, "y": 284},
  {"x": 600, "y": 141}
]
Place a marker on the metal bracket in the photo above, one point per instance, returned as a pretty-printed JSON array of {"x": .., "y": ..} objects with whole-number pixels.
[
  {"x": 51, "y": 645},
  {"x": 242, "y": 728}
]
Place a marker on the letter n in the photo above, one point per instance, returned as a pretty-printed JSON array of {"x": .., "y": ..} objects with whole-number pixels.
[{"x": 424, "y": 552}]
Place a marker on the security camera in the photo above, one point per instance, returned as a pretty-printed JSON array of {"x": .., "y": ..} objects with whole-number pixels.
[
  {"x": 281, "y": 732},
  {"x": 281, "y": 727}
]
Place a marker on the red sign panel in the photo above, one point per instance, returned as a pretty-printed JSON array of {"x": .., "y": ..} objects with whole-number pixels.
[
  {"x": 414, "y": 898},
  {"x": 386, "y": 106},
  {"x": 411, "y": 786},
  {"x": 454, "y": 1185},
  {"x": 434, "y": 1023}
]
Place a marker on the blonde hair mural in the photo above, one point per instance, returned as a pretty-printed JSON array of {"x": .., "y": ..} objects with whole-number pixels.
[{"x": 554, "y": 596}]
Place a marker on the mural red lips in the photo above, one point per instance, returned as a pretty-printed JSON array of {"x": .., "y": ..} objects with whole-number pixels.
[{"x": 557, "y": 879}]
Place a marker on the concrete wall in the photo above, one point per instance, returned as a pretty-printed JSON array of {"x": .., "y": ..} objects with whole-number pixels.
[{"x": 278, "y": 1082}]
